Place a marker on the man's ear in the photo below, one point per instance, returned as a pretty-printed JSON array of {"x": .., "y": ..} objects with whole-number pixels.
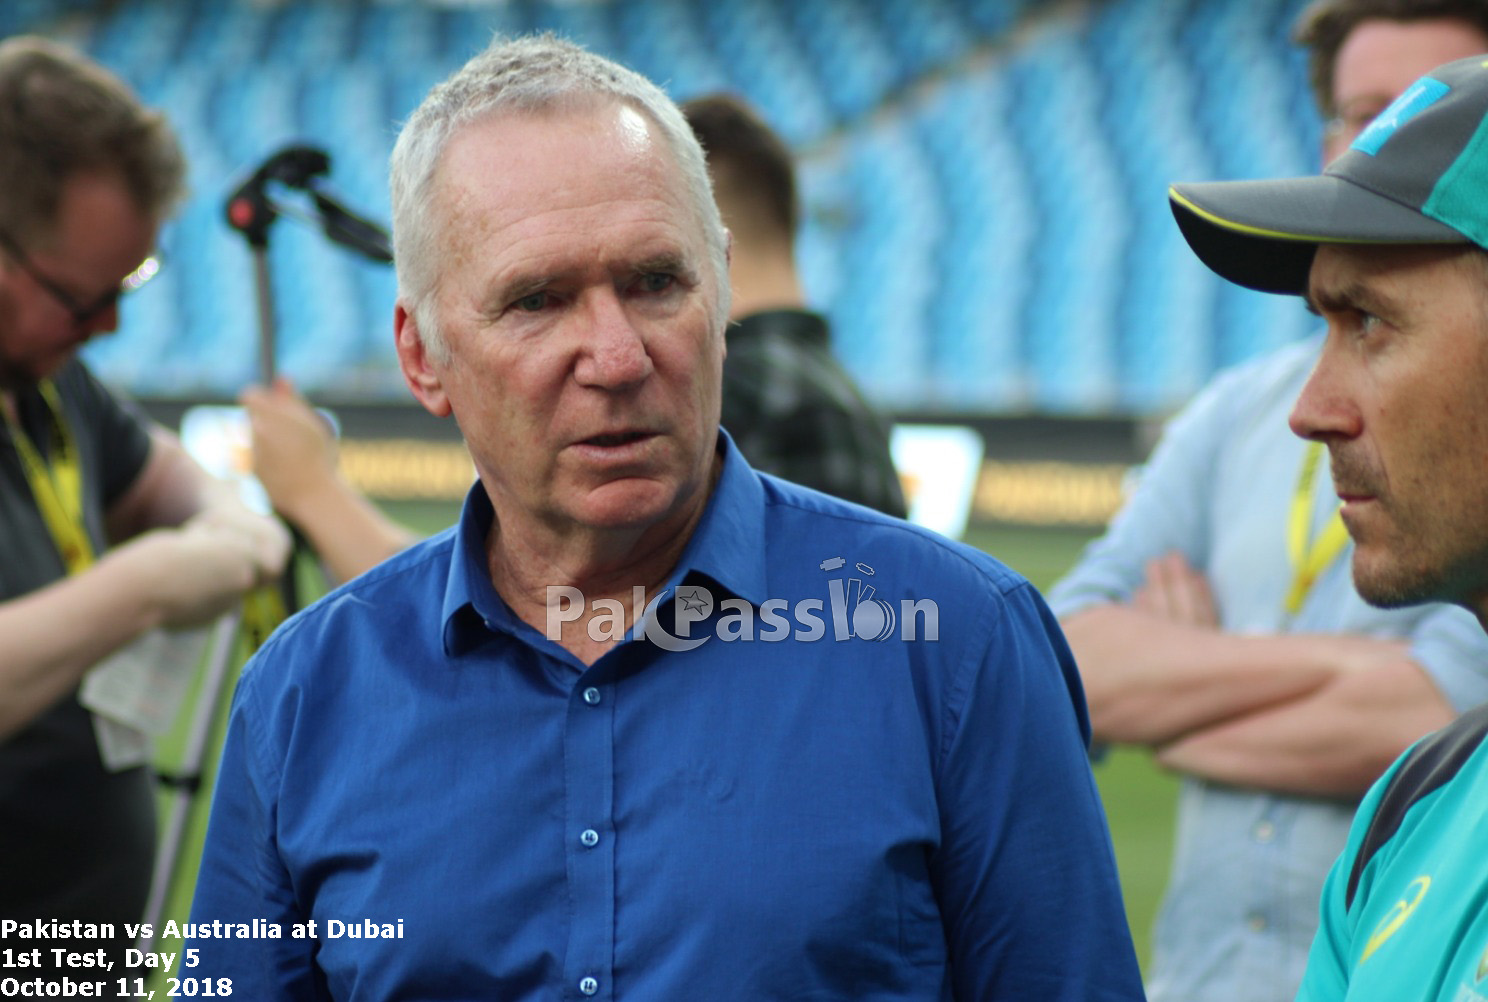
[{"x": 413, "y": 359}]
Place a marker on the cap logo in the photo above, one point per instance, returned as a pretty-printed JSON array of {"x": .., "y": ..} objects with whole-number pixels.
[{"x": 1415, "y": 99}]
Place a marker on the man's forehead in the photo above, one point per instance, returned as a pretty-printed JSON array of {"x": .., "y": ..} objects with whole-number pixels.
[
  {"x": 1351, "y": 274},
  {"x": 547, "y": 147},
  {"x": 533, "y": 196},
  {"x": 1382, "y": 56},
  {"x": 501, "y": 168}
]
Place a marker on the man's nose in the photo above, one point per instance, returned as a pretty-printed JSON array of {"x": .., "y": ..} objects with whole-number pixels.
[
  {"x": 615, "y": 351},
  {"x": 1325, "y": 409}
]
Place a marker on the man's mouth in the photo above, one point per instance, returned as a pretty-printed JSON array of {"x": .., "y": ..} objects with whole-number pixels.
[{"x": 614, "y": 439}]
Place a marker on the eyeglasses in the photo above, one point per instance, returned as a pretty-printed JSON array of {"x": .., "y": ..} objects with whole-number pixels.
[
  {"x": 1352, "y": 120},
  {"x": 82, "y": 313}
]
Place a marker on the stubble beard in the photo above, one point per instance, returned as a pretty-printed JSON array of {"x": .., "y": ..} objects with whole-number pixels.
[{"x": 1422, "y": 560}]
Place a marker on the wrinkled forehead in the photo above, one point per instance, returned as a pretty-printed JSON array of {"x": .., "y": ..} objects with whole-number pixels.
[
  {"x": 1391, "y": 277},
  {"x": 529, "y": 159}
]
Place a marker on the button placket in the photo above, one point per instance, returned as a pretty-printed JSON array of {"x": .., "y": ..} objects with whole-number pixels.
[{"x": 589, "y": 768}]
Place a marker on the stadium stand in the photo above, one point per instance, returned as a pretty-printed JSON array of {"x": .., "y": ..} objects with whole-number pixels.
[{"x": 984, "y": 179}]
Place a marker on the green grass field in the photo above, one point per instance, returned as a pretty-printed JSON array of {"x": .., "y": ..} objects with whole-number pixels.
[{"x": 1139, "y": 798}]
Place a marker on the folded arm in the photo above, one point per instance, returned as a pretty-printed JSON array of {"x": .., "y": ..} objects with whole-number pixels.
[
  {"x": 1335, "y": 741},
  {"x": 1150, "y": 680},
  {"x": 1313, "y": 714}
]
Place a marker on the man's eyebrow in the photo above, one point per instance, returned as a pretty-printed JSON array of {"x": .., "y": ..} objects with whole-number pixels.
[
  {"x": 518, "y": 287},
  {"x": 667, "y": 261},
  {"x": 1349, "y": 296}
]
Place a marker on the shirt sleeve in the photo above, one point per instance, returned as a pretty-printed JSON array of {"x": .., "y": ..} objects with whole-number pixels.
[
  {"x": 120, "y": 430},
  {"x": 242, "y": 877},
  {"x": 1025, "y": 872},
  {"x": 1167, "y": 509},
  {"x": 1453, "y": 649}
]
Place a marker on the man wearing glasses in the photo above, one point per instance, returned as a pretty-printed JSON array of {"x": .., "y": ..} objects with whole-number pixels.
[{"x": 109, "y": 529}]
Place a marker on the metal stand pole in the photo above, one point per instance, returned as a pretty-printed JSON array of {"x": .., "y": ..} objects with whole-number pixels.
[
  {"x": 224, "y": 645},
  {"x": 251, "y": 211},
  {"x": 264, "y": 282}
]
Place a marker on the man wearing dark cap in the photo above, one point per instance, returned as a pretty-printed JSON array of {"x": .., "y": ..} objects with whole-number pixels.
[
  {"x": 1216, "y": 623},
  {"x": 1388, "y": 247}
]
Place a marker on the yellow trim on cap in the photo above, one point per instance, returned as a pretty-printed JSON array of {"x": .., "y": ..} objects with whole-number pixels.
[
  {"x": 1300, "y": 238},
  {"x": 1254, "y": 231}
]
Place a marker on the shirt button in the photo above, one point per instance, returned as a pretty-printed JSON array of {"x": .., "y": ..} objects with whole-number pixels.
[
  {"x": 590, "y": 838},
  {"x": 592, "y": 696},
  {"x": 1264, "y": 831},
  {"x": 588, "y": 986},
  {"x": 1257, "y": 922}
]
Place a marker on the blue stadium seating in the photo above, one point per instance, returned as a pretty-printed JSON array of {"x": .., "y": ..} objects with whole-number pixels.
[{"x": 984, "y": 180}]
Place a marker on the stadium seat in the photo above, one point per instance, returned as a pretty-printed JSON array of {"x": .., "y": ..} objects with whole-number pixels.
[{"x": 984, "y": 181}]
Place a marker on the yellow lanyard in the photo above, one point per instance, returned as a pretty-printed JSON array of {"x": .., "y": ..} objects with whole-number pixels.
[
  {"x": 57, "y": 484},
  {"x": 263, "y": 611},
  {"x": 58, "y": 488},
  {"x": 1309, "y": 561}
]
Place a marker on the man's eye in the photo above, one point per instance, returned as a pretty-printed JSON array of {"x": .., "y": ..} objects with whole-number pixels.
[
  {"x": 1369, "y": 323},
  {"x": 657, "y": 281},
  {"x": 532, "y": 302}
]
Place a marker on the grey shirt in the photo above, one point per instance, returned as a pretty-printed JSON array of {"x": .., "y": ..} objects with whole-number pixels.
[{"x": 76, "y": 841}]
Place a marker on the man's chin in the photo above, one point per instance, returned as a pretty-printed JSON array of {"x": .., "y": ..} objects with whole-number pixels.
[
  {"x": 633, "y": 503},
  {"x": 14, "y": 379},
  {"x": 1389, "y": 584}
]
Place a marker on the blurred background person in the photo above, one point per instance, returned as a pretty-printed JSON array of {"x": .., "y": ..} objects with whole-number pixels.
[
  {"x": 790, "y": 406},
  {"x": 1216, "y": 621},
  {"x": 110, "y": 530}
]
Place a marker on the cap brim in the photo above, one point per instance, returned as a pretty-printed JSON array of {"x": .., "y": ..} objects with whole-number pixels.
[{"x": 1263, "y": 234}]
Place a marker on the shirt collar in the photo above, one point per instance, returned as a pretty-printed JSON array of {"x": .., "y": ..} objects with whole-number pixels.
[{"x": 727, "y": 546}]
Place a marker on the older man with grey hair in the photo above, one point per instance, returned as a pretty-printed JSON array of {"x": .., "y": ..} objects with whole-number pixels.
[{"x": 645, "y": 724}]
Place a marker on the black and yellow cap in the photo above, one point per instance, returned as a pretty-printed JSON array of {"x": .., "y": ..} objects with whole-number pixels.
[{"x": 1417, "y": 175}]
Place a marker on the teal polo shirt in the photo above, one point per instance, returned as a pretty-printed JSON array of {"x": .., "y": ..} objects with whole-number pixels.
[{"x": 1405, "y": 909}]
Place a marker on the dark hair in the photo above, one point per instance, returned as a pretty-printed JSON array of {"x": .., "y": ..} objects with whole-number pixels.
[
  {"x": 62, "y": 114},
  {"x": 754, "y": 178},
  {"x": 1323, "y": 27}
]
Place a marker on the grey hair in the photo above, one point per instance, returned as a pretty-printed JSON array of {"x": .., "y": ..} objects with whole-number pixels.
[{"x": 531, "y": 74}]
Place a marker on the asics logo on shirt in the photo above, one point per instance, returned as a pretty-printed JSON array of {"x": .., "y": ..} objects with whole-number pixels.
[{"x": 1396, "y": 916}]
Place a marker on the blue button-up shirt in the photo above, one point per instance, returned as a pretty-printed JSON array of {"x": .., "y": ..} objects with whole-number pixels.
[
  {"x": 1248, "y": 866},
  {"x": 814, "y": 816}
]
